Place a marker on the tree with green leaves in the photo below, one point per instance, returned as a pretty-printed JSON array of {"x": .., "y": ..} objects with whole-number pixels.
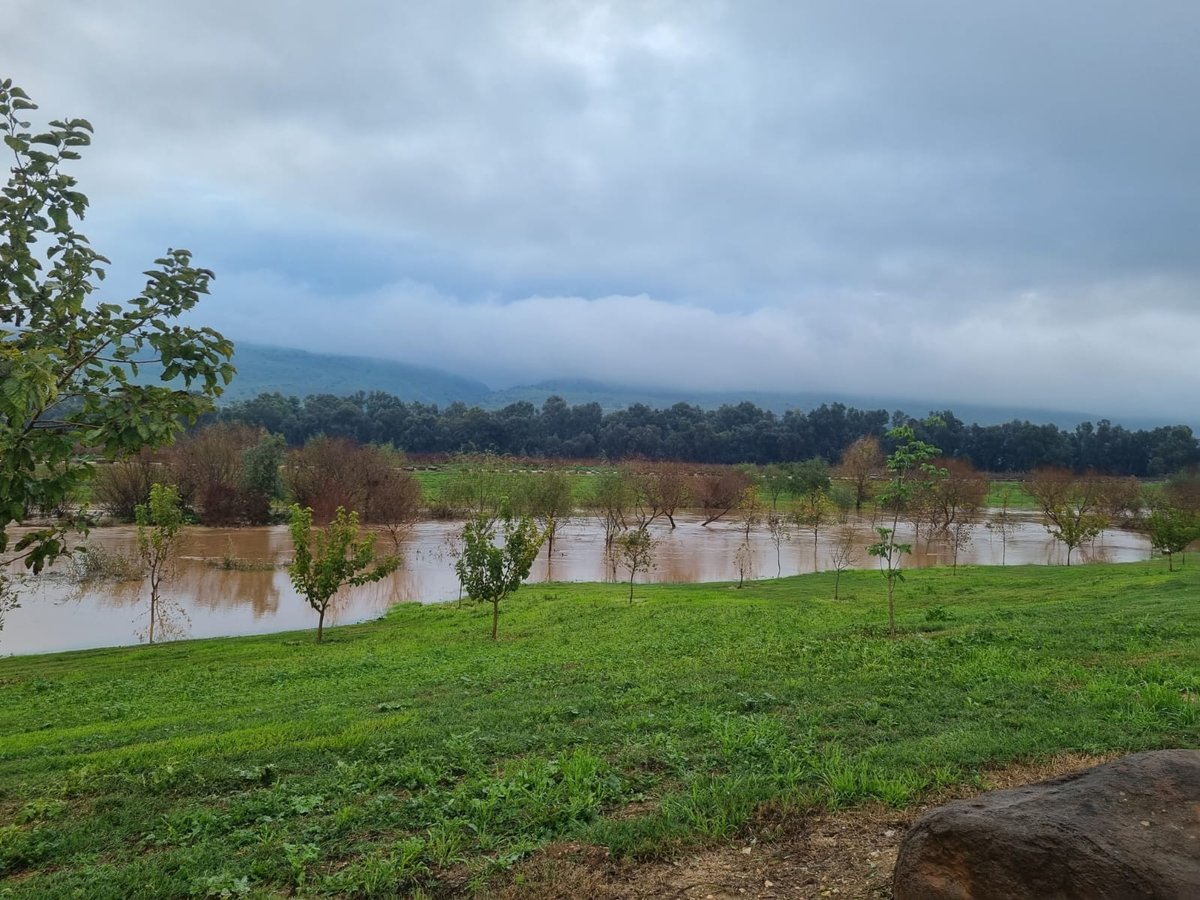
[
  {"x": 159, "y": 523},
  {"x": 336, "y": 556},
  {"x": 1171, "y": 530},
  {"x": 904, "y": 465},
  {"x": 636, "y": 548},
  {"x": 69, "y": 362},
  {"x": 490, "y": 571},
  {"x": 546, "y": 496}
]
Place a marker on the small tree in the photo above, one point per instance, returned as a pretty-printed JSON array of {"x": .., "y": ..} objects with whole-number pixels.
[
  {"x": 910, "y": 457},
  {"x": 750, "y": 513},
  {"x": 776, "y": 481},
  {"x": 1171, "y": 530},
  {"x": 1069, "y": 505},
  {"x": 339, "y": 555},
  {"x": 860, "y": 462},
  {"x": 395, "y": 500},
  {"x": 158, "y": 525},
  {"x": 489, "y": 572},
  {"x": 610, "y": 497},
  {"x": 721, "y": 490},
  {"x": 843, "y": 554},
  {"x": 961, "y": 535},
  {"x": 743, "y": 561},
  {"x": 1003, "y": 523},
  {"x": 546, "y": 496},
  {"x": 778, "y": 530},
  {"x": 636, "y": 548},
  {"x": 812, "y": 510}
]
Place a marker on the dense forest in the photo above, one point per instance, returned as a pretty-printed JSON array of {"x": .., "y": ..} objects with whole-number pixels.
[{"x": 743, "y": 433}]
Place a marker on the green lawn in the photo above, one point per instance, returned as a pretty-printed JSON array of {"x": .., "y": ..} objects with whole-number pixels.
[
  {"x": 1018, "y": 498},
  {"x": 413, "y": 753}
]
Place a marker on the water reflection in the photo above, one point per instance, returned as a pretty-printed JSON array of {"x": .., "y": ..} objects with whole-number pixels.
[{"x": 232, "y": 581}]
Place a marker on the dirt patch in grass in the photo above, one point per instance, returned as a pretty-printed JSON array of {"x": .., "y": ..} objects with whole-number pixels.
[{"x": 846, "y": 854}]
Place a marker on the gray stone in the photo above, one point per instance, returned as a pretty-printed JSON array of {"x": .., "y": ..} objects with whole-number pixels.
[{"x": 1126, "y": 829}]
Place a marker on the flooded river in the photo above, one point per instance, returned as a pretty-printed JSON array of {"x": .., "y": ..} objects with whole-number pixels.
[{"x": 232, "y": 581}]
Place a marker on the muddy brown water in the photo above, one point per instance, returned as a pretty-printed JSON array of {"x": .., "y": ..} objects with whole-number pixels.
[{"x": 206, "y": 599}]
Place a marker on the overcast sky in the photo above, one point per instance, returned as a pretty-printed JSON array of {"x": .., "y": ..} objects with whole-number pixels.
[{"x": 992, "y": 202}]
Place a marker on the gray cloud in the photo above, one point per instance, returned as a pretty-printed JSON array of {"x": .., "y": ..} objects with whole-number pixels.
[{"x": 841, "y": 195}]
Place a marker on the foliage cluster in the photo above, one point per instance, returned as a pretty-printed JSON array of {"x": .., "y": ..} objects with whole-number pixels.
[
  {"x": 69, "y": 362},
  {"x": 732, "y": 434}
]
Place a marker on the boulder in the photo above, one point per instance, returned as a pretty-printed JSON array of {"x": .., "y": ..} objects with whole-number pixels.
[{"x": 1126, "y": 829}]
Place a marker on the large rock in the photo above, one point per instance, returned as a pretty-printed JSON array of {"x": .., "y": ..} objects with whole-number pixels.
[{"x": 1127, "y": 829}]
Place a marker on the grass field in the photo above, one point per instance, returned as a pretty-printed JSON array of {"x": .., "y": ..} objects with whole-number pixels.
[
  {"x": 413, "y": 754},
  {"x": 582, "y": 479}
]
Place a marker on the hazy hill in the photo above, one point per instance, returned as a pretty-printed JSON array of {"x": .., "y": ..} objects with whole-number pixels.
[
  {"x": 299, "y": 373},
  {"x": 263, "y": 368},
  {"x": 611, "y": 397}
]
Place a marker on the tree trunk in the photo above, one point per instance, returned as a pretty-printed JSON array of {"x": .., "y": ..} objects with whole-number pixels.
[
  {"x": 837, "y": 576},
  {"x": 320, "y": 624},
  {"x": 891, "y": 603},
  {"x": 631, "y": 574},
  {"x": 495, "y": 617}
]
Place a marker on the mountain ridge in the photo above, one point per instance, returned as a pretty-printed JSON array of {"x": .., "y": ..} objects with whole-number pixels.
[{"x": 264, "y": 368}]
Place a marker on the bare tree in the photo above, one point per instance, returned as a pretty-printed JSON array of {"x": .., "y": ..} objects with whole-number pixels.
[
  {"x": 812, "y": 511},
  {"x": 1069, "y": 505},
  {"x": 743, "y": 561},
  {"x": 720, "y": 491},
  {"x": 610, "y": 498},
  {"x": 961, "y": 535},
  {"x": 861, "y": 462},
  {"x": 657, "y": 489},
  {"x": 1003, "y": 523},
  {"x": 957, "y": 494},
  {"x": 395, "y": 503},
  {"x": 1120, "y": 500},
  {"x": 777, "y": 528},
  {"x": 843, "y": 554},
  {"x": 124, "y": 484}
]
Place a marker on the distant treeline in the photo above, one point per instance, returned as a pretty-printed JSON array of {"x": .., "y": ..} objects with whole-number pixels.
[{"x": 732, "y": 434}]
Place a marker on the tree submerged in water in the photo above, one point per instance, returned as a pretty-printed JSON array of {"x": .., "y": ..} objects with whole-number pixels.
[{"x": 158, "y": 525}]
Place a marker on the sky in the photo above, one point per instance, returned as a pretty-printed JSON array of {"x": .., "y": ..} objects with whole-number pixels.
[{"x": 993, "y": 203}]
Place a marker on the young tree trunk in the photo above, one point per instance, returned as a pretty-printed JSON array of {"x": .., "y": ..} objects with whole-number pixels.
[
  {"x": 837, "y": 576},
  {"x": 495, "y": 617},
  {"x": 891, "y": 603},
  {"x": 320, "y": 624},
  {"x": 631, "y": 574}
]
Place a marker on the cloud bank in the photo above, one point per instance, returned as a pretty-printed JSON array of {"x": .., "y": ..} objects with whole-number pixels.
[{"x": 996, "y": 203}]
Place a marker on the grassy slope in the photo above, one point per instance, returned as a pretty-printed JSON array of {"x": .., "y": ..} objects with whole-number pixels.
[{"x": 414, "y": 751}]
